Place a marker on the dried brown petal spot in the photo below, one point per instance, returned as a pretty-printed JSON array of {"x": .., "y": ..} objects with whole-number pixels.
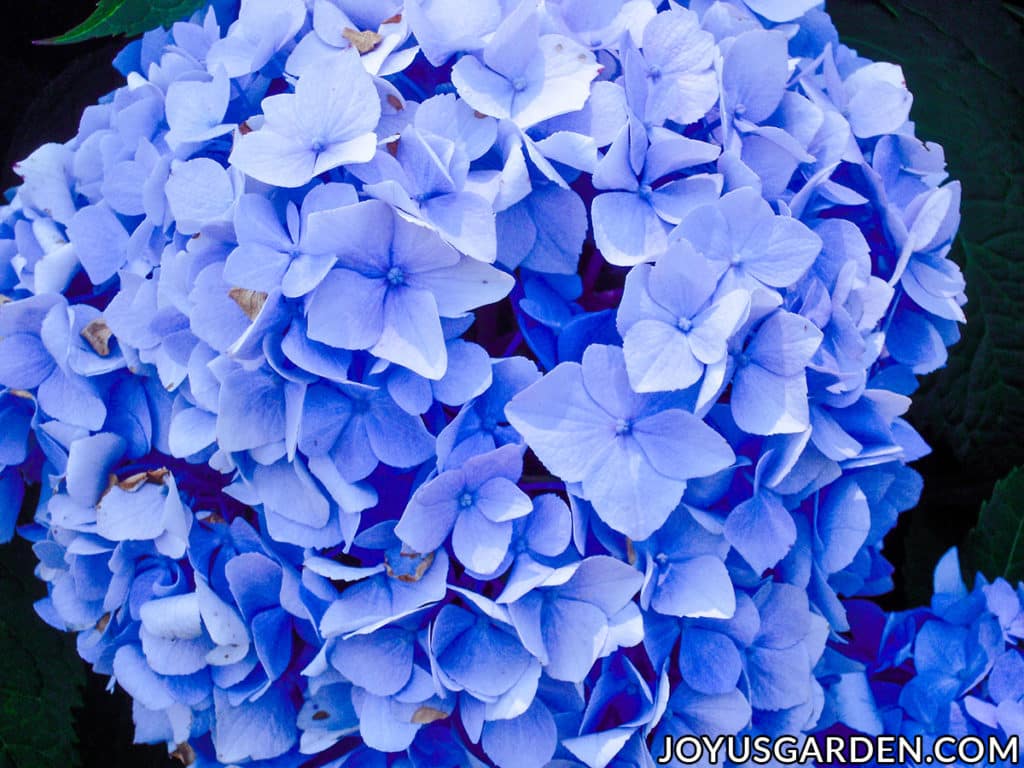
[
  {"x": 98, "y": 334},
  {"x": 392, "y": 147},
  {"x": 101, "y": 625},
  {"x": 244, "y": 127},
  {"x": 251, "y": 302},
  {"x": 426, "y": 715},
  {"x": 630, "y": 551},
  {"x": 20, "y": 393},
  {"x": 321, "y": 715},
  {"x": 478, "y": 114},
  {"x": 214, "y": 518},
  {"x": 5, "y": 299},
  {"x": 184, "y": 754},
  {"x": 395, "y": 102},
  {"x": 139, "y": 479},
  {"x": 411, "y": 578},
  {"x": 396, "y": 19},
  {"x": 364, "y": 42}
]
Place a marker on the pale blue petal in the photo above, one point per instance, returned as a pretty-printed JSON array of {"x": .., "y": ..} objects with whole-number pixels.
[
  {"x": 567, "y": 69},
  {"x": 464, "y": 286},
  {"x": 479, "y": 543},
  {"x": 499, "y": 500},
  {"x": 603, "y": 581},
  {"x": 626, "y": 491},
  {"x": 431, "y": 513},
  {"x": 879, "y": 100},
  {"x": 681, "y": 446},
  {"x": 561, "y": 423},
  {"x": 199, "y": 192},
  {"x": 523, "y": 742},
  {"x": 398, "y": 439},
  {"x": 347, "y": 310},
  {"x": 305, "y": 273},
  {"x": 466, "y": 221},
  {"x": 658, "y": 358},
  {"x": 514, "y": 45},
  {"x": 780, "y": 250},
  {"x": 284, "y": 161},
  {"x": 549, "y": 527},
  {"x": 24, "y": 361},
  {"x": 412, "y": 335},
  {"x": 89, "y": 463},
  {"x": 762, "y": 530},
  {"x": 100, "y": 241},
  {"x": 73, "y": 400},
  {"x": 255, "y": 266},
  {"x": 469, "y": 373},
  {"x": 715, "y": 326},
  {"x": 709, "y": 661},
  {"x": 132, "y": 515},
  {"x": 338, "y": 103},
  {"x": 380, "y": 662},
  {"x": 785, "y": 344},
  {"x": 778, "y": 677},
  {"x": 195, "y": 109},
  {"x": 483, "y": 89},
  {"x": 252, "y": 410},
  {"x": 764, "y": 403},
  {"x": 699, "y": 587},
  {"x": 574, "y": 634},
  {"x": 289, "y": 490},
  {"x": 627, "y": 229},
  {"x": 754, "y": 74},
  {"x": 843, "y": 523},
  {"x": 258, "y": 730}
]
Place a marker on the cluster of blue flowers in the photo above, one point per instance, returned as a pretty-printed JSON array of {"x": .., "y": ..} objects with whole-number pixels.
[
  {"x": 955, "y": 668},
  {"x": 497, "y": 383}
]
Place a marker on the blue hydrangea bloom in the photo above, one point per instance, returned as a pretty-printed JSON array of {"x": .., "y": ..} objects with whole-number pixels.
[{"x": 487, "y": 384}]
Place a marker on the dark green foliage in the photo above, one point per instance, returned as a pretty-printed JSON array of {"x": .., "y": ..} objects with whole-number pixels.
[
  {"x": 963, "y": 63},
  {"x": 996, "y": 545},
  {"x": 128, "y": 17},
  {"x": 41, "y": 676}
]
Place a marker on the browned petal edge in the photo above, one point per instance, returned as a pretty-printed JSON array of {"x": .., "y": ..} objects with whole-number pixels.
[
  {"x": 415, "y": 576},
  {"x": 364, "y": 41},
  {"x": 184, "y": 754},
  {"x": 98, "y": 334},
  {"x": 250, "y": 302},
  {"x": 425, "y": 715}
]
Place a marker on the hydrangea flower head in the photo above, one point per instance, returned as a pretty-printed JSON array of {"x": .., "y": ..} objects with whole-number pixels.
[{"x": 495, "y": 383}]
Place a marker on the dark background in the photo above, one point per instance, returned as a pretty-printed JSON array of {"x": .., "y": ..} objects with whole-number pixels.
[{"x": 45, "y": 88}]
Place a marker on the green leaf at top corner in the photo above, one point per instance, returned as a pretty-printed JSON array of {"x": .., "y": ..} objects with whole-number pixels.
[
  {"x": 127, "y": 17},
  {"x": 996, "y": 544}
]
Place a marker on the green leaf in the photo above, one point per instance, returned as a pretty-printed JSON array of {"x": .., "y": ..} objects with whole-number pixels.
[
  {"x": 128, "y": 17},
  {"x": 996, "y": 545},
  {"x": 41, "y": 676},
  {"x": 1017, "y": 11},
  {"x": 962, "y": 63}
]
